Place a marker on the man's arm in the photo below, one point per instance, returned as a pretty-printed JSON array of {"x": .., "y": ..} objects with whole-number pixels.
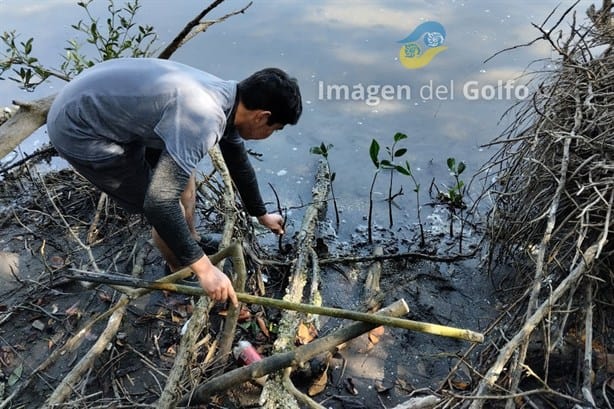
[
  {"x": 244, "y": 177},
  {"x": 163, "y": 210},
  {"x": 242, "y": 173}
]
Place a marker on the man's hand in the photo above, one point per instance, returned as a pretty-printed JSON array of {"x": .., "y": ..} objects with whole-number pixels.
[
  {"x": 273, "y": 221},
  {"x": 216, "y": 284}
]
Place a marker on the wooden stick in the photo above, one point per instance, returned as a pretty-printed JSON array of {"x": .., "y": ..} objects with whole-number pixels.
[
  {"x": 434, "y": 329},
  {"x": 295, "y": 357}
]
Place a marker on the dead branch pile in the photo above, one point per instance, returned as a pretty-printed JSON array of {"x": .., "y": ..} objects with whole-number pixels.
[
  {"x": 553, "y": 196},
  {"x": 54, "y": 222}
]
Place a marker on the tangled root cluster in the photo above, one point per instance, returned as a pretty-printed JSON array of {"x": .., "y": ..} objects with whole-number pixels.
[
  {"x": 557, "y": 174},
  {"x": 553, "y": 196}
]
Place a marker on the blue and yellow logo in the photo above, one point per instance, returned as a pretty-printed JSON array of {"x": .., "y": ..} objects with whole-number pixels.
[{"x": 422, "y": 45}]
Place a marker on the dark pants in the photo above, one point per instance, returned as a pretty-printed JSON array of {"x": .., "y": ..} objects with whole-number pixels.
[{"x": 125, "y": 178}]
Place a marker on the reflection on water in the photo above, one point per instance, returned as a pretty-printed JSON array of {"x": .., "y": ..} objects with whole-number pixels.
[{"x": 324, "y": 43}]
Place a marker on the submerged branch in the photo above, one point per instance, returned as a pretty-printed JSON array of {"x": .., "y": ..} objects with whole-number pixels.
[{"x": 399, "y": 256}]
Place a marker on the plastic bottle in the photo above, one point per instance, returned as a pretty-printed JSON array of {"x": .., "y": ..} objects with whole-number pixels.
[{"x": 246, "y": 354}]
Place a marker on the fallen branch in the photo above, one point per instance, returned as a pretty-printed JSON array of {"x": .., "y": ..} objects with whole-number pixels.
[
  {"x": 295, "y": 357},
  {"x": 45, "y": 151},
  {"x": 197, "y": 323},
  {"x": 235, "y": 251},
  {"x": 63, "y": 391},
  {"x": 274, "y": 394},
  {"x": 428, "y": 328},
  {"x": 421, "y": 402},
  {"x": 29, "y": 117},
  {"x": 588, "y": 370},
  {"x": 92, "y": 232},
  {"x": 66, "y": 387},
  {"x": 372, "y": 295}
]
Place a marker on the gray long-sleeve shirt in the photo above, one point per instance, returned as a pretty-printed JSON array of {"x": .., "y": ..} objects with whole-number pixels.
[{"x": 158, "y": 104}]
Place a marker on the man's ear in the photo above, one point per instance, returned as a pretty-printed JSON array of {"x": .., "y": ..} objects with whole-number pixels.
[{"x": 263, "y": 116}]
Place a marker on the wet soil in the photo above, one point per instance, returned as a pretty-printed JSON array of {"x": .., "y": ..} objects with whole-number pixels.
[
  {"x": 401, "y": 362},
  {"x": 41, "y": 307}
]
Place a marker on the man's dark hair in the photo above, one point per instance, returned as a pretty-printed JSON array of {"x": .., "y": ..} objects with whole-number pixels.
[{"x": 271, "y": 89}]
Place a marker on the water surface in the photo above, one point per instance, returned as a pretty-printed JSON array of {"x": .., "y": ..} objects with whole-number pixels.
[{"x": 337, "y": 43}]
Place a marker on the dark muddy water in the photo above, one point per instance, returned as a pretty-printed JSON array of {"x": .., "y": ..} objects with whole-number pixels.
[{"x": 346, "y": 56}]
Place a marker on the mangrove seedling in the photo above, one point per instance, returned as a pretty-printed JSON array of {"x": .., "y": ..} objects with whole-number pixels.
[
  {"x": 394, "y": 153},
  {"x": 406, "y": 170},
  {"x": 454, "y": 197},
  {"x": 386, "y": 164},
  {"x": 455, "y": 193},
  {"x": 323, "y": 150},
  {"x": 374, "y": 153}
]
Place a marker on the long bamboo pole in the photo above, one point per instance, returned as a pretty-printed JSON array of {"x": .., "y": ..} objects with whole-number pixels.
[{"x": 428, "y": 328}]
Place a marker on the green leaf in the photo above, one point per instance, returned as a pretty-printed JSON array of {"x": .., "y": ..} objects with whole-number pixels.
[
  {"x": 374, "y": 152},
  {"x": 400, "y": 152},
  {"x": 332, "y": 177},
  {"x": 408, "y": 167},
  {"x": 27, "y": 48},
  {"x": 315, "y": 150},
  {"x": 386, "y": 164},
  {"x": 402, "y": 170},
  {"x": 461, "y": 168},
  {"x": 245, "y": 325},
  {"x": 452, "y": 164},
  {"x": 324, "y": 149},
  {"x": 27, "y": 77},
  {"x": 94, "y": 30},
  {"x": 399, "y": 136}
]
